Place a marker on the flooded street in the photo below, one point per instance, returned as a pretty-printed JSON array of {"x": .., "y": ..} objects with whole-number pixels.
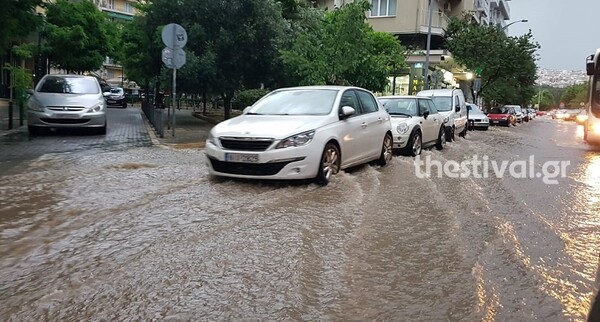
[{"x": 144, "y": 234}]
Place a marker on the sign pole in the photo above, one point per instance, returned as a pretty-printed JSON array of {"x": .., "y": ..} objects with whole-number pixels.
[{"x": 174, "y": 96}]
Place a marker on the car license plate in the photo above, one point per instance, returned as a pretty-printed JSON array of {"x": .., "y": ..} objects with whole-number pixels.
[
  {"x": 495, "y": 121},
  {"x": 66, "y": 116},
  {"x": 241, "y": 157},
  {"x": 111, "y": 102}
]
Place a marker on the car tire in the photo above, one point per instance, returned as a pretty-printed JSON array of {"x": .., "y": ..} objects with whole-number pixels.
[
  {"x": 441, "y": 141},
  {"x": 33, "y": 130},
  {"x": 449, "y": 134},
  {"x": 414, "y": 145},
  {"x": 386, "y": 150},
  {"x": 102, "y": 130},
  {"x": 486, "y": 128},
  {"x": 329, "y": 165}
]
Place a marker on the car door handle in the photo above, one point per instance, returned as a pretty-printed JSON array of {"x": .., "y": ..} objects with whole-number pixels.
[
  {"x": 380, "y": 120},
  {"x": 363, "y": 125}
]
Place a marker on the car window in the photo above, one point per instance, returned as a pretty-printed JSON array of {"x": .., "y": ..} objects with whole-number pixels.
[
  {"x": 500, "y": 110},
  {"x": 367, "y": 101},
  {"x": 69, "y": 85},
  {"x": 349, "y": 99},
  {"x": 432, "y": 107},
  {"x": 423, "y": 107},
  {"x": 400, "y": 106},
  {"x": 296, "y": 102},
  {"x": 116, "y": 90},
  {"x": 443, "y": 103}
]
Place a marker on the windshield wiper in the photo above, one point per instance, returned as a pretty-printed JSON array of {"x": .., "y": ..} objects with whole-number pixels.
[
  {"x": 252, "y": 113},
  {"x": 398, "y": 113}
]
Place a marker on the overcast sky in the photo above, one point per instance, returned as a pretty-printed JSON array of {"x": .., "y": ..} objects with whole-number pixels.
[{"x": 567, "y": 30}]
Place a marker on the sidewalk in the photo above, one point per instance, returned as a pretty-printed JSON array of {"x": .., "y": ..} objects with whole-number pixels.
[{"x": 190, "y": 131}]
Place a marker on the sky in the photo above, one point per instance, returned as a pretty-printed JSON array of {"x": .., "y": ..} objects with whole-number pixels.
[{"x": 567, "y": 30}]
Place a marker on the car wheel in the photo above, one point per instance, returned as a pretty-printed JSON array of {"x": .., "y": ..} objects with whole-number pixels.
[
  {"x": 441, "y": 141},
  {"x": 464, "y": 132},
  {"x": 330, "y": 163},
  {"x": 386, "y": 150},
  {"x": 33, "y": 131},
  {"x": 486, "y": 128},
  {"x": 449, "y": 134},
  {"x": 414, "y": 145}
]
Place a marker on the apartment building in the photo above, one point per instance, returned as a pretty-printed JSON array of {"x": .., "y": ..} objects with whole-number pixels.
[
  {"x": 117, "y": 11},
  {"x": 409, "y": 21}
]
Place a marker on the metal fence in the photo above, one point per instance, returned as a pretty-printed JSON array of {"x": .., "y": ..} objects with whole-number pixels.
[{"x": 155, "y": 117}]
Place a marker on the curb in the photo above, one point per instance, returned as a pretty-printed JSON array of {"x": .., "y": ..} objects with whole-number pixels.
[
  {"x": 14, "y": 130},
  {"x": 150, "y": 130}
]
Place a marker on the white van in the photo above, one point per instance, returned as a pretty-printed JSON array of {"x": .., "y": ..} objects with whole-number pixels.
[{"x": 452, "y": 106}]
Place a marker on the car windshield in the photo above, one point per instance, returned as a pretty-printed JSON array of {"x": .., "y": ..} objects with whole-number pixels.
[
  {"x": 296, "y": 102},
  {"x": 69, "y": 85},
  {"x": 499, "y": 110},
  {"x": 518, "y": 109},
  {"x": 443, "y": 103},
  {"x": 400, "y": 106},
  {"x": 474, "y": 109},
  {"x": 117, "y": 91}
]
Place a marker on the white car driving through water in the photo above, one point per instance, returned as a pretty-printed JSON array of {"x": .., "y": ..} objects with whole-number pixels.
[{"x": 307, "y": 132}]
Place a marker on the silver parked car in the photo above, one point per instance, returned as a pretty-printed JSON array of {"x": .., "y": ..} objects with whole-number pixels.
[
  {"x": 477, "y": 119},
  {"x": 67, "y": 101}
]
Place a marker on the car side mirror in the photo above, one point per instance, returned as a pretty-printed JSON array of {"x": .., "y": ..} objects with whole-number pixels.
[
  {"x": 29, "y": 91},
  {"x": 425, "y": 114},
  {"x": 457, "y": 108},
  {"x": 347, "y": 111},
  {"x": 589, "y": 68},
  {"x": 106, "y": 94}
]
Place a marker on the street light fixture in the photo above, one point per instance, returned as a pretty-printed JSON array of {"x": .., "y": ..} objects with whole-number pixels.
[{"x": 514, "y": 22}]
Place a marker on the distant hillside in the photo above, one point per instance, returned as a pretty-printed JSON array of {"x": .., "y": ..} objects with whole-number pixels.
[{"x": 560, "y": 78}]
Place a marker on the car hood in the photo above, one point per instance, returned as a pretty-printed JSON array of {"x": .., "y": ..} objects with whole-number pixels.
[
  {"x": 56, "y": 99},
  {"x": 270, "y": 126},
  {"x": 476, "y": 116},
  {"x": 396, "y": 119}
]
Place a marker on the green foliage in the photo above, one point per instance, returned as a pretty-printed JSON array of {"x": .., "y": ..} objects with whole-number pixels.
[
  {"x": 21, "y": 81},
  {"x": 17, "y": 20},
  {"x": 545, "y": 98},
  {"x": 79, "y": 35},
  {"x": 575, "y": 95},
  {"x": 507, "y": 63},
  {"x": 248, "y": 97},
  {"x": 344, "y": 50}
]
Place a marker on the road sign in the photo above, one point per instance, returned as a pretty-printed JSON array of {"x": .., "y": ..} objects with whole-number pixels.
[
  {"x": 478, "y": 71},
  {"x": 173, "y": 58},
  {"x": 174, "y": 36}
]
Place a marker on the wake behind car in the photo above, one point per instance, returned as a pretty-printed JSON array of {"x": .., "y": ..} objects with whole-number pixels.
[
  {"x": 66, "y": 101},
  {"x": 416, "y": 123},
  {"x": 307, "y": 132},
  {"x": 116, "y": 97}
]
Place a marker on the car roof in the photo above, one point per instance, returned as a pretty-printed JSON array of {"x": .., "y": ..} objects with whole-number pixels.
[
  {"x": 437, "y": 92},
  {"x": 322, "y": 87},
  {"x": 69, "y": 75},
  {"x": 403, "y": 96}
]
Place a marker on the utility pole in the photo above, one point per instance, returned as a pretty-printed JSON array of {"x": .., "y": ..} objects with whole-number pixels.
[{"x": 428, "y": 50}]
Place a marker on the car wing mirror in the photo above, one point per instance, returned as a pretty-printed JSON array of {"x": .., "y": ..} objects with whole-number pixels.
[
  {"x": 425, "y": 114},
  {"x": 457, "y": 108},
  {"x": 106, "y": 94},
  {"x": 347, "y": 111},
  {"x": 29, "y": 91}
]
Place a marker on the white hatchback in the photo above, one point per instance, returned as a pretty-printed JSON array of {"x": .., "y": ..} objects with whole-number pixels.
[
  {"x": 416, "y": 123},
  {"x": 307, "y": 132}
]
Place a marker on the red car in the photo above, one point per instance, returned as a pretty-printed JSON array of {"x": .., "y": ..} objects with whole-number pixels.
[
  {"x": 540, "y": 113},
  {"x": 502, "y": 116}
]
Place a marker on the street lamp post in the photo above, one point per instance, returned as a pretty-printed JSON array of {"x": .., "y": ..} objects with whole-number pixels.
[
  {"x": 514, "y": 22},
  {"x": 38, "y": 71},
  {"x": 428, "y": 49}
]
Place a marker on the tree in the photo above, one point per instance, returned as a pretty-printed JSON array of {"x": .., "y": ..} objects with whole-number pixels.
[
  {"x": 79, "y": 35},
  {"x": 545, "y": 98},
  {"x": 507, "y": 63},
  {"x": 344, "y": 50},
  {"x": 17, "y": 20},
  {"x": 575, "y": 95}
]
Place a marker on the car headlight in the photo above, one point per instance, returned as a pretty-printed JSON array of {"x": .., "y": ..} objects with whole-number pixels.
[
  {"x": 96, "y": 108},
  {"x": 402, "y": 128},
  {"x": 296, "y": 140},
  {"x": 505, "y": 118},
  {"x": 33, "y": 105}
]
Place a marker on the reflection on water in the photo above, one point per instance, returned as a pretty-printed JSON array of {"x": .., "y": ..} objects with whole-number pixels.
[{"x": 144, "y": 235}]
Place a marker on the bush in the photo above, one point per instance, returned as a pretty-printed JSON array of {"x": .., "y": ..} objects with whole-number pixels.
[{"x": 247, "y": 98}]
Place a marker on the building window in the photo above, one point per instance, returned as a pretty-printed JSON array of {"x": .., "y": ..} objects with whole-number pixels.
[
  {"x": 383, "y": 8},
  {"x": 111, "y": 4},
  {"x": 128, "y": 7}
]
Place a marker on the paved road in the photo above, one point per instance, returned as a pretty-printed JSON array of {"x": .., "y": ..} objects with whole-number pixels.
[
  {"x": 143, "y": 234},
  {"x": 125, "y": 130}
]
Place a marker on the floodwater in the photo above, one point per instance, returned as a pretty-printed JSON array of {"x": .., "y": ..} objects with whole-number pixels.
[{"x": 145, "y": 235}]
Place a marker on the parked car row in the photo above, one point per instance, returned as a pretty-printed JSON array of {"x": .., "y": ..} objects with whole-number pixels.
[
  {"x": 313, "y": 132},
  {"x": 508, "y": 115}
]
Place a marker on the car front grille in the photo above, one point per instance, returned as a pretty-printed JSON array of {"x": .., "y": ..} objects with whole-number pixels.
[
  {"x": 245, "y": 144},
  {"x": 255, "y": 169},
  {"x": 65, "y": 121},
  {"x": 66, "y": 108}
]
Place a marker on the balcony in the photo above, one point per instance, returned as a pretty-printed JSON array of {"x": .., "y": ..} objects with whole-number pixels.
[
  {"x": 483, "y": 7},
  {"x": 502, "y": 7}
]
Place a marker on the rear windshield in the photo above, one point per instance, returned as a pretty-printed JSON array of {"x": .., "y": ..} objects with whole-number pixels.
[
  {"x": 69, "y": 85},
  {"x": 499, "y": 110}
]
